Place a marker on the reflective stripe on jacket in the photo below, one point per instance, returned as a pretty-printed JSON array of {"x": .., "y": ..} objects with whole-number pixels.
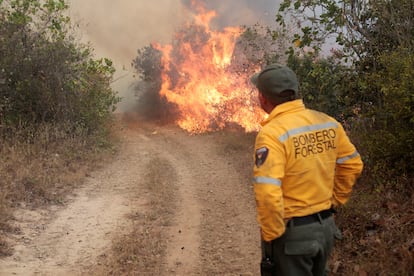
[{"x": 304, "y": 163}]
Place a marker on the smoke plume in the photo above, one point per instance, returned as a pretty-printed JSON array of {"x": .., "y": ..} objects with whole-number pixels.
[{"x": 117, "y": 29}]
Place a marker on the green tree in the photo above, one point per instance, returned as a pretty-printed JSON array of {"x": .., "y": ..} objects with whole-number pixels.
[
  {"x": 45, "y": 76},
  {"x": 363, "y": 28}
]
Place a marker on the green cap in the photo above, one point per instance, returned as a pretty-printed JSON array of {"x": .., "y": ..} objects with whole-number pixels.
[{"x": 274, "y": 79}]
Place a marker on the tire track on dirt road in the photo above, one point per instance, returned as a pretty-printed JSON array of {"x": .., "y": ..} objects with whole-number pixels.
[
  {"x": 183, "y": 232},
  {"x": 228, "y": 233}
]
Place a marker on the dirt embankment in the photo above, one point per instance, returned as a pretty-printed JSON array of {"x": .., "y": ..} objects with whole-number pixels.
[{"x": 170, "y": 203}]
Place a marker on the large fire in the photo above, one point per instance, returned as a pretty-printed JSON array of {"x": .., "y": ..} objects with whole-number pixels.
[{"x": 197, "y": 77}]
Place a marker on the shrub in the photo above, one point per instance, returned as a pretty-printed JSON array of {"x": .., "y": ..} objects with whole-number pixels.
[
  {"x": 45, "y": 76},
  {"x": 386, "y": 126},
  {"x": 321, "y": 83}
]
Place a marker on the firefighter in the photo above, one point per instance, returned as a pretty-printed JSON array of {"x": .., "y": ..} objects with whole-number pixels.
[{"x": 304, "y": 166}]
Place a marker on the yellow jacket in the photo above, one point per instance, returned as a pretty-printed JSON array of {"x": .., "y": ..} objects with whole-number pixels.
[{"x": 304, "y": 163}]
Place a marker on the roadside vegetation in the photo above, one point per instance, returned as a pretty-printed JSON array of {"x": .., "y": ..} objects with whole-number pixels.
[{"x": 55, "y": 107}]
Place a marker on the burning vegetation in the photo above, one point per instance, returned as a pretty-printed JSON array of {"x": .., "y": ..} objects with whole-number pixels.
[{"x": 201, "y": 80}]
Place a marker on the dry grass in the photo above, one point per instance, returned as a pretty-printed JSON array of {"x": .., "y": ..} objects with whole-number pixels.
[
  {"x": 378, "y": 227},
  {"x": 142, "y": 252},
  {"x": 43, "y": 169}
]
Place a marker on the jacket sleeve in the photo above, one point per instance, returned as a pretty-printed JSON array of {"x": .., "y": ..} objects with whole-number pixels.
[
  {"x": 267, "y": 174},
  {"x": 348, "y": 168}
]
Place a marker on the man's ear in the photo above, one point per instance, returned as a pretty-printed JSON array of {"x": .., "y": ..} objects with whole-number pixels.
[
  {"x": 261, "y": 97},
  {"x": 265, "y": 103}
]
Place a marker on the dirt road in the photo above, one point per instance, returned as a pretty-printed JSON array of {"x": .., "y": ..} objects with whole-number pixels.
[{"x": 211, "y": 228}]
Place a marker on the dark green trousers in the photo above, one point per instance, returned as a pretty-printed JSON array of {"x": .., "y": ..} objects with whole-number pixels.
[{"x": 304, "y": 250}]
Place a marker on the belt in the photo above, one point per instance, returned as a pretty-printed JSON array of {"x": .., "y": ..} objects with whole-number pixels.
[{"x": 317, "y": 217}]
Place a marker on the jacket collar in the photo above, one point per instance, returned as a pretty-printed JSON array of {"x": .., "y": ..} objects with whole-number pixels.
[{"x": 288, "y": 107}]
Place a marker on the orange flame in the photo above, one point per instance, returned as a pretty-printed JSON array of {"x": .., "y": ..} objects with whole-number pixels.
[{"x": 196, "y": 77}]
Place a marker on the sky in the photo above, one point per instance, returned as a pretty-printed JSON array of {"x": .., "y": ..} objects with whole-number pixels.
[{"x": 117, "y": 29}]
